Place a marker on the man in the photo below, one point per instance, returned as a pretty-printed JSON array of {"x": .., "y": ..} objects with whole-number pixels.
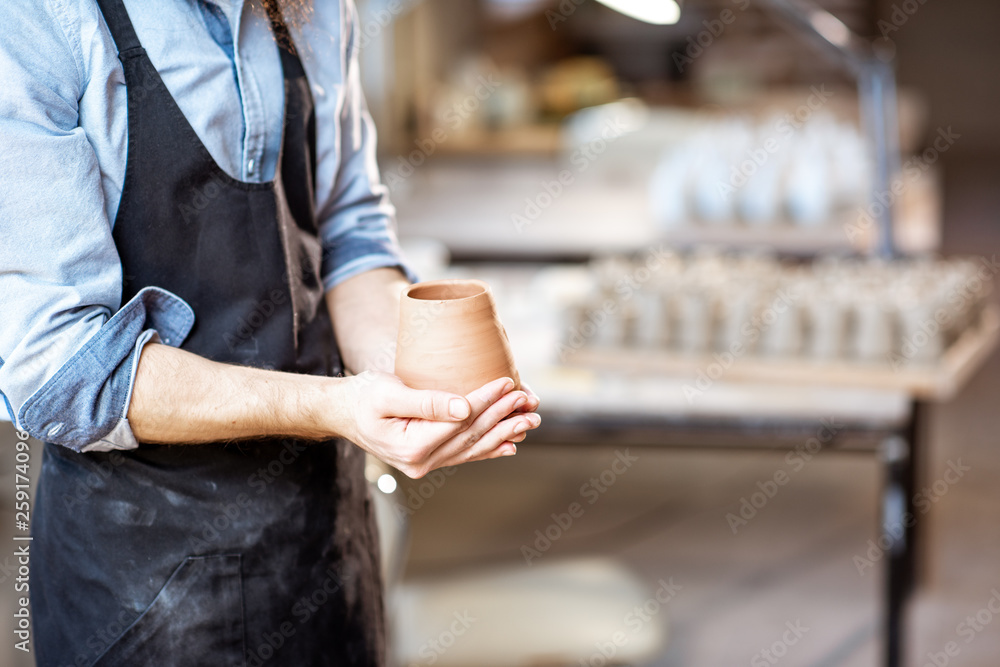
[{"x": 195, "y": 245}]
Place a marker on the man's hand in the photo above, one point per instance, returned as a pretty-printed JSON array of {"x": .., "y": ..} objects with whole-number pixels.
[{"x": 418, "y": 431}]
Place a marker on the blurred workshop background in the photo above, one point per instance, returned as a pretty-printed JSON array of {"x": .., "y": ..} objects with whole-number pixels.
[{"x": 750, "y": 273}]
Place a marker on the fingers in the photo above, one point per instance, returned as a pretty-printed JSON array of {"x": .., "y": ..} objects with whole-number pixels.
[
  {"x": 505, "y": 434},
  {"x": 488, "y": 433},
  {"x": 398, "y": 400},
  {"x": 519, "y": 428},
  {"x": 533, "y": 400},
  {"x": 482, "y": 424},
  {"x": 468, "y": 446},
  {"x": 506, "y": 449},
  {"x": 401, "y": 401},
  {"x": 483, "y": 399},
  {"x": 488, "y": 395}
]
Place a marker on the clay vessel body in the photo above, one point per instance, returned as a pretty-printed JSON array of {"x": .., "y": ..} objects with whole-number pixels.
[{"x": 450, "y": 337}]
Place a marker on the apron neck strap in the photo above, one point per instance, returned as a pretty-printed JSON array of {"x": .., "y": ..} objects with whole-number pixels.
[{"x": 120, "y": 26}]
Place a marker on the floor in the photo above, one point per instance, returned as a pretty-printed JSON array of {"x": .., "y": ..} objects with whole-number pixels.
[{"x": 792, "y": 563}]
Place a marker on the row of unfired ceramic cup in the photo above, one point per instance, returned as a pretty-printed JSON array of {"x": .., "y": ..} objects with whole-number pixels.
[{"x": 828, "y": 309}]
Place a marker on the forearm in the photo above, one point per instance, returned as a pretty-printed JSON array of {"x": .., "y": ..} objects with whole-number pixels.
[
  {"x": 365, "y": 312},
  {"x": 179, "y": 397}
]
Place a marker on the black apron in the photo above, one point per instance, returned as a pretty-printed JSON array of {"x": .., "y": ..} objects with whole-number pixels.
[{"x": 239, "y": 554}]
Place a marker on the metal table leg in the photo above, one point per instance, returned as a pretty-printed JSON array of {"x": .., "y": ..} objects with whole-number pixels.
[
  {"x": 893, "y": 540},
  {"x": 899, "y": 528},
  {"x": 915, "y": 437}
]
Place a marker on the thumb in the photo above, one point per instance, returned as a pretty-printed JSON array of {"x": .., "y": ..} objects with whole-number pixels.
[{"x": 427, "y": 404}]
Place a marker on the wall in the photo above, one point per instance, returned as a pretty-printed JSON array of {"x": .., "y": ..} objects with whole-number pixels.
[{"x": 949, "y": 49}]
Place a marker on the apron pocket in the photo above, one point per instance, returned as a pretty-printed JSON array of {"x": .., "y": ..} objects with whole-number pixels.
[{"x": 195, "y": 619}]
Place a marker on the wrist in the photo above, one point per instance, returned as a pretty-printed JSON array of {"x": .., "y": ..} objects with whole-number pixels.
[{"x": 334, "y": 410}]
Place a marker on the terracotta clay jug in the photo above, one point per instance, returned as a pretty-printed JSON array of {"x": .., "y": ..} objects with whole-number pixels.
[{"x": 450, "y": 337}]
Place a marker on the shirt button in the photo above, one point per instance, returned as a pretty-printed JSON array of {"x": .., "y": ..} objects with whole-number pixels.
[
  {"x": 54, "y": 429},
  {"x": 250, "y": 165}
]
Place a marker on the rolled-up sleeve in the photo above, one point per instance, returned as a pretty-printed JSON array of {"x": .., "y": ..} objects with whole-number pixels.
[
  {"x": 357, "y": 221},
  {"x": 68, "y": 353}
]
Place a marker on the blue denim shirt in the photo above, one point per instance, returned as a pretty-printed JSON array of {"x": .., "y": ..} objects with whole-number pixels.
[{"x": 68, "y": 346}]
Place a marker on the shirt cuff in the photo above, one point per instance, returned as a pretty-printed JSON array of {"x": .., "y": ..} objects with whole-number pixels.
[
  {"x": 121, "y": 436},
  {"x": 84, "y": 405}
]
